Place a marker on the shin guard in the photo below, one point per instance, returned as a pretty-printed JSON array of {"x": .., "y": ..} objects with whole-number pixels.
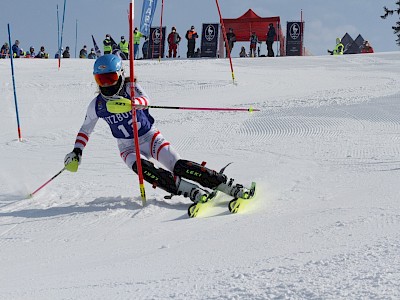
[
  {"x": 198, "y": 173},
  {"x": 157, "y": 177}
]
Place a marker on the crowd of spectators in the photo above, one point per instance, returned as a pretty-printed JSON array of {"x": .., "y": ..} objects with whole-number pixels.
[
  {"x": 18, "y": 52},
  {"x": 173, "y": 39}
]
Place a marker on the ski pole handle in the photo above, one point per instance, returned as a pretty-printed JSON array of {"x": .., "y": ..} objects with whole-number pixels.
[{"x": 44, "y": 184}]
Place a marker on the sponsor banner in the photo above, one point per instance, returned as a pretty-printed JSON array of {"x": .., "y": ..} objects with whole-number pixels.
[
  {"x": 294, "y": 38},
  {"x": 148, "y": 8},
  {"x": 209, "y": 40},
  {"x": 156, "y": 38}
]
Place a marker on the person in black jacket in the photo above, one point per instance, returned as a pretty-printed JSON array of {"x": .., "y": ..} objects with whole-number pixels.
[
  {"x": 191, "y": 36},
  {"x": 92, "y": 54},
  {"x": 66, "y": 53},
  {"x": 83, "y": 52},
  {"x": 270, "y": 40},
  {"x": 231, "y": 38}
]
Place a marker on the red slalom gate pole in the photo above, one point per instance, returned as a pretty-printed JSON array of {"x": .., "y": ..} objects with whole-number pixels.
[
  {"x": 134, "y": 117},
  {"x": 226, "y": 40}
]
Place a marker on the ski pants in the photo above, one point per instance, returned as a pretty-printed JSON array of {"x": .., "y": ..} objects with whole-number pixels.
[
  {"x": 152, "y": 145},
  {"x": 172, "y": 50}
]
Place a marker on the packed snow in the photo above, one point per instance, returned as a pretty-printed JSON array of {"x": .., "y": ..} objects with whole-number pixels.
[{"x": 324, "y": 150}]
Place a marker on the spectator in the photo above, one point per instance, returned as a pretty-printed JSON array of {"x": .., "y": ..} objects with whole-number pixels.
[
  {"x": 16, "y": 50},
  {"x": 66, "y": 53},
  {"x": 145, "y": 49},
  {"x": 271, "y": 34},
  {"x": 339, "y": 48},
  {"x": 107, "y": 44},
  {"x": 83, "y": 52},
  {"x": 366, "y": 48},
  {"x": 173, "y": 42},
  {"x": 243, "y": 52},
  {"x": 136, "y": 41},
  {"x": 42, "y": 53},
  {"x": 253, "y": 44},
  {"x": 5, "y": 51},
  {"x": 31, "y": 52},
  {"x": 231, "y": 38},
  {"x": 124, "y": 47},
  {"x": 92, "y": 54},
  {"x": 191, "y": 36}
]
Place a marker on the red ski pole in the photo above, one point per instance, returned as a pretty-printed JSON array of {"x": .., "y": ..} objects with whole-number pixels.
[{"x": 48, "y": 181}]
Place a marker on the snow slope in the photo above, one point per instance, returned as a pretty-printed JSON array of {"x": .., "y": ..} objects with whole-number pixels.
[{"x": 324, "y": 150}]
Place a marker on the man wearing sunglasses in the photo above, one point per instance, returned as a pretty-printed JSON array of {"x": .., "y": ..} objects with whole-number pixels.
[{"x": 110, "y": 78}]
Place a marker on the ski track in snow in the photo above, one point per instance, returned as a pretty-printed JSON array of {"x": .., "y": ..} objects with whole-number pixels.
[{"x": 324, "y": 151}]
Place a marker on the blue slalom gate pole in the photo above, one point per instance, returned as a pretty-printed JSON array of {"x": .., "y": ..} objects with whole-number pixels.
[
  {"x": 13, "y": 80},
  {"x": 76, "y": 36},
  {"x": 61, "y": 37},
  {"x": 58, "y": 31}
]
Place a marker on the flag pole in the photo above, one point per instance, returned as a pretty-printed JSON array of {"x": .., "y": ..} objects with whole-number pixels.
[
  {"x": 161, "y": 32},
  {"x": 134, "y": 117},
  {"x": 226, "y": 40},
  {"x": 13, "y": 80}
]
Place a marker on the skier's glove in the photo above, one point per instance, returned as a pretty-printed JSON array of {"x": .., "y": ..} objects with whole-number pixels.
[
  {"x": 140, "y": 104},
  {"x": 73, "y": 159}
]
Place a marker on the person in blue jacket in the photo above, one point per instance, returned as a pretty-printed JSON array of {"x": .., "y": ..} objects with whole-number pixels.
[
  {"x": 179, "y": 176},
  {"x": 16, "y": 49}
]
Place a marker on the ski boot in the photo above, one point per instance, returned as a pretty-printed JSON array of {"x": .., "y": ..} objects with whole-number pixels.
[
  {"x": 236, "y": 191},
  {"x": 241, "y": 195},
  {"x": 191, "y": 190}
]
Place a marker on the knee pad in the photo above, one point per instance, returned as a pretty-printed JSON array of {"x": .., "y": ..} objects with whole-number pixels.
[
  {"x": 198, "y": 173},
  {"x": 157, "y": 177}
]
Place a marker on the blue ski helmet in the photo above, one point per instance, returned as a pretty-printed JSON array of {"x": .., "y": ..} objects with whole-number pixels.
[
  {"x": 108, "y": 63},
  {"x": 109, "y": 74}
]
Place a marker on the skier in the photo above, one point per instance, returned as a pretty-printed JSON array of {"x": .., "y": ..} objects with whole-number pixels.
[
  {"x": 339, "y": 48},
  {"x": 110, "y": 78}
]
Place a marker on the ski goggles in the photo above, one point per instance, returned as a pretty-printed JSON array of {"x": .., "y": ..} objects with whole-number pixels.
[{"x": 107, "y": 79}]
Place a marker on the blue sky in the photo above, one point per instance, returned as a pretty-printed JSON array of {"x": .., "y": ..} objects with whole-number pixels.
[{"x": 35, "y": 22}]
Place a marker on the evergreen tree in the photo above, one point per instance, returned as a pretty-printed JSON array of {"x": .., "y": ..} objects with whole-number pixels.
[{"x": 389, "y": 12}]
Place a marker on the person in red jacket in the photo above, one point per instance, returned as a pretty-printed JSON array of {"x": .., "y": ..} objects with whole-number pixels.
[
  {"x": 173, "y": 41},
  {"x": 366, "y": 48}
]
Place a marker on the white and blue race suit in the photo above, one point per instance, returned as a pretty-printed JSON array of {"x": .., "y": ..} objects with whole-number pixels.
[{"x": 151, "y": 142}]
